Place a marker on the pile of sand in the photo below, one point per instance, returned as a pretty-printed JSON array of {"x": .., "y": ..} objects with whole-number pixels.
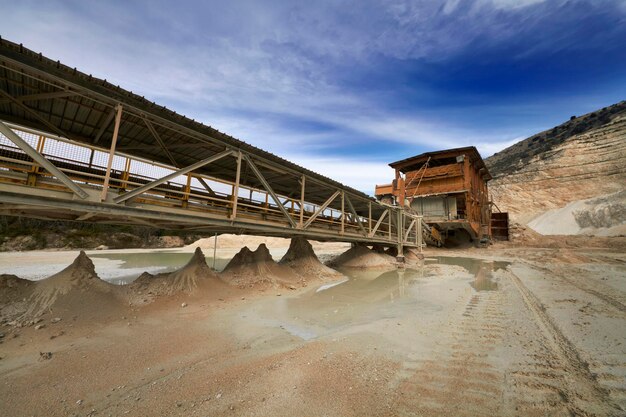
[
  {"x": 258, "y": 269},
  {"x": 14, "y": 293},
  {"x": 362, "y": 257},
  {"x": 599, "y": 216},
  {"x": 302, "y": 259},
  {"x": 76, "y": 290},
  {"x": 195, "y": 275}
]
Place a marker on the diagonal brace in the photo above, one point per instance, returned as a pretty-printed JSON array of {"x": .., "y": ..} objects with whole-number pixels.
[
  {"x": 34, "y": 114},
  {"x": 39, "y": 158},
  {"x": 160, "y": 142},
  {"x": 134, "y": 193},
  {"x": 321, "y": 209},
  {"x": 269, "y": 189},
  {"x": 380, "y": 220},
  {"x": 409, "y": 230},
  {"x": 356, "y": 216}
]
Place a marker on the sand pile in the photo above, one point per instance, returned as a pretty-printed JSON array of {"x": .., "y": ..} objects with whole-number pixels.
[
  {"x": 195, "y": 275},
  {"x": 301, "y": 258},
  {"x": 362, "y": 257},
  {"x": 599, "y": 216},
  {"x": 258, "y": 269},
  {"x": 76, "y": 290},
  {"x": 14, "y": 293}
]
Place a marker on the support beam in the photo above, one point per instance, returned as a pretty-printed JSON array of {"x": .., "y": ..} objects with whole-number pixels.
[
  {"x": 35, "y": 115},
  {"x": 343, "y": 212},
  {"x": 369, "y": 218},
  {"x": 160, "y": 142},
  {"x": 356, "y": 216},
  {"x": 236, "y": 186},
  {"x": 380, "y": 220},
  {"x": 104, "y": 126},
  {"x": 419, "y": 234},
  {"x": 400, "y": 234},
  {"x": 37, "y": 157},
  {"x": 85, "y": 216},
  {"x": 206, "y": 186},
  {"x": 269, "y": 189},
  {"x": 116, "y": 130},
  {"x": 302, "y": 181},
  {"x": 408, "y": 230},
  {"x": 321, "y": 209},
  {"x": 134, "y": 193},
  {"x": 41, "y": 96}
]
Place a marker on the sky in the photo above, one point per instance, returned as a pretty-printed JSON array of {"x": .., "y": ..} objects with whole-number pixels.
[{"x": 345, "y": 87}]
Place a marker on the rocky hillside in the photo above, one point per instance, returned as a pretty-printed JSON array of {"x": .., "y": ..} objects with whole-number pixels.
[{"x": 581, "y": 159}]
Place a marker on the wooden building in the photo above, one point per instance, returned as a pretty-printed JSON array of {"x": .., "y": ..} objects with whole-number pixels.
[{"x": 449, "y": 188}]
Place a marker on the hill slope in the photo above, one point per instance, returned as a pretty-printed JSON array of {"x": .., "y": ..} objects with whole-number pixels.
[{"x": 578, "y": 160}]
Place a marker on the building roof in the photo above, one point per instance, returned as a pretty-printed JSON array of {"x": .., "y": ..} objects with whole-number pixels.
[
  {"x": 40, "y": 93},
  {"x": 415, "y": 162}
]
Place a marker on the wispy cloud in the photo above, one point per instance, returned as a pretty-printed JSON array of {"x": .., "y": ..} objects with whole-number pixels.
[{"x": 334, "y": 82}]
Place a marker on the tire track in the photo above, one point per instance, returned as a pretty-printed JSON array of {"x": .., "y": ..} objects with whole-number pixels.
[
  {"x": 460, "y": 379},
  {"x": 608, "y": 299},
  {"x": 588, "y": 397}
]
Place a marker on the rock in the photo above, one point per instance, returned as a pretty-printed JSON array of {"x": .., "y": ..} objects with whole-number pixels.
[
  {"x": 79, "y": 402},
  {"x": 183, "y": 305},
  {"x": 1, "y": 335},
  {"x": 45, "y": 355},
  {"x": 55, "y": 320},
  {"x": 40, "y": 326},
  {"x": 102, "y": 247},
  {"x": 218, "y": 396}
]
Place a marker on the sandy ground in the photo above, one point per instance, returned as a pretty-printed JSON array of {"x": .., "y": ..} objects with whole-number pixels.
[{"x": 496, "y": 331}]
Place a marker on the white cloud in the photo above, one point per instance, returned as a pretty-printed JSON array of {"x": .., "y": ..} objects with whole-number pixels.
[
  {"x": 362, "y": 175},
  {"x": 248, "y": 79}
]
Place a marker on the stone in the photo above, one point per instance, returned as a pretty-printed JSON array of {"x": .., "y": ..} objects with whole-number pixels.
[
  {"x": 55, "y": 320},
  {"x": 183, "y": 305},
  {"x": 40, "y": 326}
]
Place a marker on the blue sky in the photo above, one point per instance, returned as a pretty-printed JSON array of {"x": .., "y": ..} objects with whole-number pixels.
[{"x": 345, "y": 87}]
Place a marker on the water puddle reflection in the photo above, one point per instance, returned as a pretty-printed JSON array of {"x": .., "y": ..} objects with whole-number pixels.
[{"x": 367, "y": 296}]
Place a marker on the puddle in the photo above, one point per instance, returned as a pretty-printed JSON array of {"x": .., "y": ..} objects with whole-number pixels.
[
  {"x": 482, "y": 270},
  {"x": 368, "y": 296}
]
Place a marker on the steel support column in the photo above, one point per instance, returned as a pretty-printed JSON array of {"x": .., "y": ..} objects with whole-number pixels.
[
  {"x": 236, "y": 186},
  {"x": 116, "y": 130},
  {"x": 303, "y": 180}
]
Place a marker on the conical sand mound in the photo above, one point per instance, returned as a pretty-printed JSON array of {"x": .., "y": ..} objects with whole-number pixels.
[
  {"x": 258, "y": 269},
  {"x": 362, "y": 257},
  {"x": 75, "y": 290},
  {"x": 14, "y": 292},
  {"x": 301, "y": 258},
  {"x": 196, "y": 274}
]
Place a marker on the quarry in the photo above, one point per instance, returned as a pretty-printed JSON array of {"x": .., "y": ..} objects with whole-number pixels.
[{"x": 467, "y": 287}]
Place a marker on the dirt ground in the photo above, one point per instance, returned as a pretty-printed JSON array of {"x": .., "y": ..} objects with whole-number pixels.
[{"x": 505, "y": 330}]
